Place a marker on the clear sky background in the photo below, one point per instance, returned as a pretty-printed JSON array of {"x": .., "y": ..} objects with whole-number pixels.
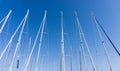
[{"x": 106, "y": 11}]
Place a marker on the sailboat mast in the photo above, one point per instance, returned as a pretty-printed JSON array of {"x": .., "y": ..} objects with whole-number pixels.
[
  {"x": 40, "y": 43},
  {"x": 108, "y": 38},
  {"x": 5, "y": 21},
  {"x": 19, "y": 41},
  {"x": 62, "y": 45},
  {"x": 6, "y": 57},
  {"x": 29, "y": 46},
  {"x": 82, "y": 54},
  {"x": 7, "y": 46},
  {"x": 82, "y": 34},
  {"x": 25, "y": 69},
  {"x": 103, "y": 43},
  {"x": 28, "y": 51}
]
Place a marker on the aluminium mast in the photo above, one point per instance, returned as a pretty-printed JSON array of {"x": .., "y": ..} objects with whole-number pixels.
[
  {"x": 40, "y": 44},
  {"x": 62, "y": 45},
  {"x": 6, "y": 18},
  {"x": 31, "y": 52},
  {"x": 19, "y": 41},
  {"x": 103, "y": 43},
  {"x": 82, "y": 34}
]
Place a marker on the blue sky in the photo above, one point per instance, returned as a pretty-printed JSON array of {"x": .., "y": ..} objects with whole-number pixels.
[{"x": 107, "y": 12}]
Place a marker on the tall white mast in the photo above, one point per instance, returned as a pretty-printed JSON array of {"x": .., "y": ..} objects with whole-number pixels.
[
  {"x": 19, "y": 41},
  {"x": 40, "y": 43},
  {"x": 29, "y": 48},
  {"x": 28, "y": 51},
  {"x": 25, "y": 69},
  {"x": 82, "y": 34},
  {"x": 82, "y": 54},
  {"x": 1, "y": 55},
  {"x": 6, "y": 18},
  {"x": 7, "y": 55},
  {"x": 62, "y": 45},
  {"x": 103, "y": 43}
]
